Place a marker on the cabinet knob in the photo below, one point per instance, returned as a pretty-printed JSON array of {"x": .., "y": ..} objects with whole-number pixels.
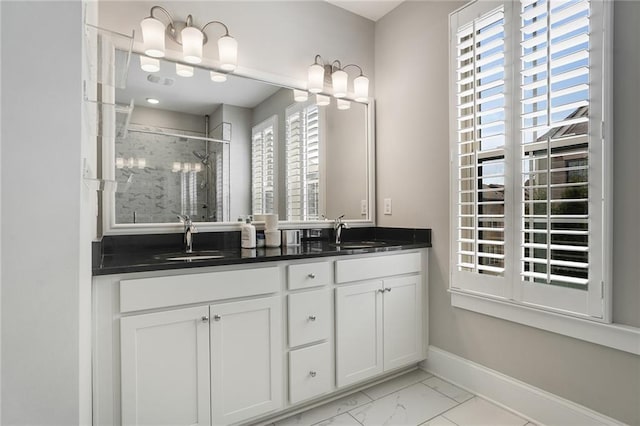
[
  {"x": 312, "y": 275},
  {"x": 205, "y": 319},
  {"x": 312, "y": 317},
  {"x": 312, "y": 373},
  {"x": 217, "y": 317}
]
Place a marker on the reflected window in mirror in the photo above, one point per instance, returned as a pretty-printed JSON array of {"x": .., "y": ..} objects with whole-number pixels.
[
  {"x": 263, "y": 151},
  {"x": 303, "y": 177}
]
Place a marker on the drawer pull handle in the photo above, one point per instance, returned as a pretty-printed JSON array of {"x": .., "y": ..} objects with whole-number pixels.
[
  {"x": 312, "y": 373},
  {"x": 217, "y": 317},
  {"x": 312, "y": 275},
  {"x": 387, "y": 289},
  {"x": 205, "y": 319},
  {"x": 381, "y": 290},
  {"x": 312, "y": 317}
]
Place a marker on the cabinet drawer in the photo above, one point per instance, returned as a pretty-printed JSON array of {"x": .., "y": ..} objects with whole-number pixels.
[
  {"x": 159, "y": 292},
  {"x": 309, "y": 372},
  {"x": 377, "y": 267},
  {"x": 309, "y": 317},
  {"x": 306, "y": 275}
]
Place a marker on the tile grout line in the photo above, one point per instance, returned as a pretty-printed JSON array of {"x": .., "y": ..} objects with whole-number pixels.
[
  {"x": 441, "y": 393},
  {"x": 397, "y": 390},
  {"x": 354, "y": 418}
]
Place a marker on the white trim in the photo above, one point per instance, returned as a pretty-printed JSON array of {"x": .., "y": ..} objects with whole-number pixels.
[
  {"x": 616, "y": 336},
  {"x": 527, "y": 401}
]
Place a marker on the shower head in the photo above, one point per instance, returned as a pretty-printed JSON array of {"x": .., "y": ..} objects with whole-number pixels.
[{"x": 203, "y": 157}]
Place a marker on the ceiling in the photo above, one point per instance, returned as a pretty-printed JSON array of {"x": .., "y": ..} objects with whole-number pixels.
[{"x": 370, "y": 9}]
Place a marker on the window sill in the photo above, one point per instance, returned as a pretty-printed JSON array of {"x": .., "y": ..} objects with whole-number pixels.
[{"x": 621, "y": 337}]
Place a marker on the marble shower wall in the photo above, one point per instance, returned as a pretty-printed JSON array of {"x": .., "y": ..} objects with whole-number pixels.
[{"x": 157, "y": 192}]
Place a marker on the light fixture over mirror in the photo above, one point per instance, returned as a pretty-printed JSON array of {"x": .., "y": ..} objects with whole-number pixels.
[
  {"x": 190, "y": 37},
  {"x": 339, "y": 79}
]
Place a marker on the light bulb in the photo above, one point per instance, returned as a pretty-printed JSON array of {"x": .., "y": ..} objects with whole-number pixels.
[
  {"x": 153, "y": 37},
  {"x": 142, "y": 163},
  {"x": 322, "y": 100},
  {"x": 300, "y": 95},
  {"x": 339, "y": 83},
  {"x": 130, "y": 163},
  {"x": 192, "y": 45},
  {"x": 176, "y": 167},
  {"x": 119, "y": 163},
  {"x": 149, "y": 64},
  {"x": 361, "y": 88},
  {"x": 218, "y": 77},
  {"x": 228, "y": 51},
  {"x": 186, "y": 167},
  {"x": 153, "y": 101},
  {"x": 184, "y": 70},
  {"x": 344, "y": 104},
  {"x": 316, "y": 78},
  {"x": 197, "y": 167}
]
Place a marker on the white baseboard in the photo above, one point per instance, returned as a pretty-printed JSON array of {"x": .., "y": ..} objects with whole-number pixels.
[{"x": 528, "y": 401}]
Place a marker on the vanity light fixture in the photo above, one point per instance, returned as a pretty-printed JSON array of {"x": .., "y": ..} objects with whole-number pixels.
[
  {"x": 322, "y": 100},
  {"x": 153, "y": 101},
  {"x": 339, "y": 79},
  {"x": 149, "y": 64},
  {"x": 300, "y": 95},
  {"x": 189, "y": 36},
  {"x": 343, "y": 104},
  {"x": 184, "y": 70},
  {"x": 218, "y": 77}
]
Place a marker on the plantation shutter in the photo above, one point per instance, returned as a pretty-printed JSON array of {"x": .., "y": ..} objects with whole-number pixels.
[
  {"x": 557, "y": 170},
  {"x": 303, "y": 162},
  {"x": 479, "y": 153},
  {"x": 263, "y": 167}
]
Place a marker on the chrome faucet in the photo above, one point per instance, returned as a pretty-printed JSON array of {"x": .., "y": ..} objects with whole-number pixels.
[
  {"x": 189, "y": 230},
  {"x": 338, "y": 226}
]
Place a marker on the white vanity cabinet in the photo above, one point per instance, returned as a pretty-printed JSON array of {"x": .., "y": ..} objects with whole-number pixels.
[
  {"x": 165, "y": 368},
  {"x": 379, "y": 322},
  {"x": 246, "y": 359},
  {"x": 239, "y": 344}
]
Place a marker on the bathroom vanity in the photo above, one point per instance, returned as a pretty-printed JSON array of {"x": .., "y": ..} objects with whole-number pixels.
[{"x": 252, "y": 335}]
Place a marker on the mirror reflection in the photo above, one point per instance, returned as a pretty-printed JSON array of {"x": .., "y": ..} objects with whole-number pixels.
[{"x": 218, "y": 150}]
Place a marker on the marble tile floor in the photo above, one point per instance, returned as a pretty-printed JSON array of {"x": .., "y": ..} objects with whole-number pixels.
[{"x": 415, "y": 398}]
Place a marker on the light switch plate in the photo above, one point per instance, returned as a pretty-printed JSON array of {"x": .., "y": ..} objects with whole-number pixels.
[
  {"x": 363, "y": 207},
  {"x": 387, "y": 206}
]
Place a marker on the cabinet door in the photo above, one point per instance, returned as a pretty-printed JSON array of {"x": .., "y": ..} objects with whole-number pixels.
[
  {"x": 165, "y": 368},
  {"x": 402, "y": 317},
  {"x": 246, "y": 359},
  {"x": 358, "y": 332}
]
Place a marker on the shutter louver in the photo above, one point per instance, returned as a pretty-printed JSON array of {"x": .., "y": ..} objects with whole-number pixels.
[
  {"x": 554, "y": 64},
  {"x": 263, "y": 168},
  {"x": 481, "y": 130},
  {"x": 303, "y": 164}
]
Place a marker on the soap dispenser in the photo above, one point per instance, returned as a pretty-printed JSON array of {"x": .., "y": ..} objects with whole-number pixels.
[{"x": 248, "y": 234}]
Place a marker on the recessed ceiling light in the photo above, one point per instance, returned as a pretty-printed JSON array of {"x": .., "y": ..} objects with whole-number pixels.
[{"x": 153, "y": 101}]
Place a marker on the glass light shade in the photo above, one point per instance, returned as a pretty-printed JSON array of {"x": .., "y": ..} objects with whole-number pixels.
[
  {"x": 153, "y": 101},
  {"x": 300, "y": 95},
  {"x": 130, "y": 163},
  {"x": 339, "y": 80},
  {"x": 176, "y": 167},
  {"x": 218, "y": 77},
  {"x": 142, "y": 163},
  {"x": 153, "y": 37},
  {"x": 361, "y": 88},
  {"x": 186, "y": 167},
  {"x": 228, "y": 51},
  {"x": 119, "y": 163},
  {"x": 316, "y": 78},
  {"x": 192, "y": 45},
  {"x": 322, "y": 100},
  {"x": 184, "y": 70},
  {"x": 344, "y": 104},
  {"x": 197, "y": 167},
  {"x": 149, "y": 64}
]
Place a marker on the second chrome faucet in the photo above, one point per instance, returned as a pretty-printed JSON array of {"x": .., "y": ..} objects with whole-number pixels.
[{"x": 189, "y": 230}]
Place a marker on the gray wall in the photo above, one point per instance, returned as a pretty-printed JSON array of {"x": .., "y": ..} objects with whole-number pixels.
[
  {"x": 412, "y": 47},
  {"x": 239, "y": 160},
  {"x": 46, "y": 264},
  {"x": 168, "y": 120}
]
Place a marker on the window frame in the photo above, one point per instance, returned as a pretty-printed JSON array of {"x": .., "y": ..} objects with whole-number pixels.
[
  {"x": 260, "y": 128},
  {"x": 502, "y": 296}
]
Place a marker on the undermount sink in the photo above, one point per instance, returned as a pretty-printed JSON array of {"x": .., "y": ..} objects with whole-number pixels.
[
  {"x": 196, "y": 255},
  {"x": 359, "y": 244}
]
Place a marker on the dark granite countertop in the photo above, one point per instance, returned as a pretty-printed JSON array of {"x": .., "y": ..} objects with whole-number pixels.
[{"x": 125, "y": 254}]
